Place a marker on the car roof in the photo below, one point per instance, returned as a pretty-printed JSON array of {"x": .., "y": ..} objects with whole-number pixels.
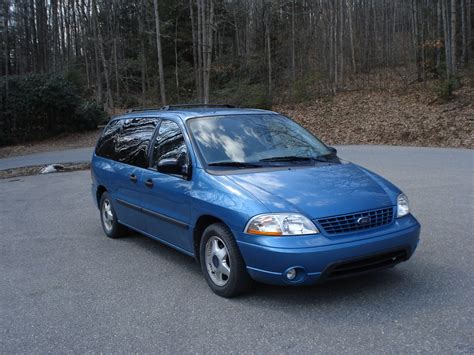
[{"x": 186, "y": 113}]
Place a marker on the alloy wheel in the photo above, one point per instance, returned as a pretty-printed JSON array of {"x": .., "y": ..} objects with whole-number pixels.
[
  {"x": 107, "y": 215},
  {"x": 217, "y": 261}
]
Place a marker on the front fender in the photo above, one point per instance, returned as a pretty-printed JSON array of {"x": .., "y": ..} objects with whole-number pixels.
[{"x": 220, "y": 197}]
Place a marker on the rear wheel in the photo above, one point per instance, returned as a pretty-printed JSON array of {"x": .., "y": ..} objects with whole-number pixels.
[
  {"x": 108, "y": 218},
  {"x": 222, "y": 263}
]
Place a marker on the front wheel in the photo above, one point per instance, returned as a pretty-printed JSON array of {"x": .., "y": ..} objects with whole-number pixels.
[{"x": 222, "y": 263}]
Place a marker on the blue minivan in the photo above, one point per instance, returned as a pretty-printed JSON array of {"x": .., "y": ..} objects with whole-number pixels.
[{"x": 248, "y": 193}]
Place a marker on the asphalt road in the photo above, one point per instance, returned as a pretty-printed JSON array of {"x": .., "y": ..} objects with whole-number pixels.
[
  {"x": 66, "y": 287},
  {"x": 78, "y": 155}
]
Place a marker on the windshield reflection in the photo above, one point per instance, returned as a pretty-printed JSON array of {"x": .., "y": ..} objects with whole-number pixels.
[{"x": 253, "y": 138}]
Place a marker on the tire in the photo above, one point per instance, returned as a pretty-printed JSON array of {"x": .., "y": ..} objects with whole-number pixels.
[
  {"x": 221, "y": 262},
  {"x": 108, "y": 218}
]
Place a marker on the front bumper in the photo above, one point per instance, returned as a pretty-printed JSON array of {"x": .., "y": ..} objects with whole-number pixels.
[{"x": 269, "y": 264}]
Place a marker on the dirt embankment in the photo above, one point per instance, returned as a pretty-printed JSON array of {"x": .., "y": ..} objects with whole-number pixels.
[
  {"x": 412, "y": 116},
  {"x": 64, "y": 141}
]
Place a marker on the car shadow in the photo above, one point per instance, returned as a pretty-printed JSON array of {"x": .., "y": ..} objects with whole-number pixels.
[
  {"x": 334, "y": 290},
  {"x": 388, "y": 281},
  {"x": 163, "y": 251}
]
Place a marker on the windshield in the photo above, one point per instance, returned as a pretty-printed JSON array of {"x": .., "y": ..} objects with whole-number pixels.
[{"x": 253, "y": 139}]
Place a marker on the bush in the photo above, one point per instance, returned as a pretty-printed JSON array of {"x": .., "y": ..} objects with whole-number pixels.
[
  {"x": 38, "y": 106},
  {"x": 305, "y": 88}
]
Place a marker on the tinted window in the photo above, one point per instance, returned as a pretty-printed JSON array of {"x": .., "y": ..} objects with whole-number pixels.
[
  {"x": 106, "y": 144},
  {"x": 132, "y": 144},
  {"x": 169, "y": 144}
]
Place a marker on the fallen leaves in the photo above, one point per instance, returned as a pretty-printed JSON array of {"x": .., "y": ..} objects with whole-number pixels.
[{"x": 409, "y": 117}]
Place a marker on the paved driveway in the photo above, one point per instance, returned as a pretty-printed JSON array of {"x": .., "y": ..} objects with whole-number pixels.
[{"x": 65, "y": 287}]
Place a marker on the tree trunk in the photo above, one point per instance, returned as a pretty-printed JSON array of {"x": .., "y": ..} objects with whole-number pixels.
[
  {"x": 77, "y": 52},
  {"x": 268, "y": 16},
  {"x": 439, "y": 35},
  {"x": 470, "y": 39},
  {"x": 464, "y": 33},
  {"x": 200, "y": 49},
  {"x": 55, "y": 33},
  {"x": 6, "y": 10},
  {"x": 205, "y": 17},
  {"x": 293, "y": 43},
  {"x": 100, "y": 40},
  {"x": 417, "y": 39},
  {"x": 351, "y": 36},
  {"x": 341, "y": 44},
  {"x": 209, "y": 24},
  {"x": 117, "y": 76},
  {"x": 453, "y": 37},
  {"x": 85, "y": 41},
  {"x": 176, "y": 67},
  {"x": 159, "y": 53},
  {"x": 447, "y": 39},
  {"x": 62, "y": 31},
  {"x": 141, "y": 32},
  {"x": 197, "y": 80},
  {"x": 335, "y": 48}
]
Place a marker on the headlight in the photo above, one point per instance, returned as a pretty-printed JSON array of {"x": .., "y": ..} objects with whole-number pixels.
[
  {"x": 402, "y": 205},
  {"x": 280, "y": 224}
]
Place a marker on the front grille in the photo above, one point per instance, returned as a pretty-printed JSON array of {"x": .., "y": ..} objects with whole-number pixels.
[
  {"x": 371, "y": 263},
  {"x": 356, "y": 221}
]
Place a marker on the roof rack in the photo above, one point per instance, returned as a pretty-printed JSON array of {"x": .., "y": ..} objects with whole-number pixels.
[
  {"x": 187, "y": 106},
  {"x": 143, "y": 109}
]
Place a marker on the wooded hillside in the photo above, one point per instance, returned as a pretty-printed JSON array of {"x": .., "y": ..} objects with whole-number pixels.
[{"x": 150, "y": 52}]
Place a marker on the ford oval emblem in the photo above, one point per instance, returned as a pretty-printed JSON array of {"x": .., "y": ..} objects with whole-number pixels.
[{"x": 363, "y": 220}]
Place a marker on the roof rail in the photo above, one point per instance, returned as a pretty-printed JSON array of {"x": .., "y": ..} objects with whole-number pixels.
[
  {"x": 142, "y": 109},
  {"x": 186, "y": 106}
]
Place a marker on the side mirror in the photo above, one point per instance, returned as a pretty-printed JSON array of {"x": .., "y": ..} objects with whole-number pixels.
[
  {"x": 170, "y": 166},
  {"x": 333, "y": 150}
]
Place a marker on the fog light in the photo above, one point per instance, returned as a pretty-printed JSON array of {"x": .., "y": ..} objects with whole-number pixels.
[{"x": 291, "y": 274}]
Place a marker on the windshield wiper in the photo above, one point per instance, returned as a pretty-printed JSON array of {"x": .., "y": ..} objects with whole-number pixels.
[
  {"x": 235, "y": 164},
  {"x": 288, "y": 158}
]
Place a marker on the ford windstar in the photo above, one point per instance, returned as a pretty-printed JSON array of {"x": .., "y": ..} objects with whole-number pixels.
[{"x": 250, "y": 194}]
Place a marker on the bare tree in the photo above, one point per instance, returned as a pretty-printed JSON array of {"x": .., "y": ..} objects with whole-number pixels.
[
  {"x": 101, "y": 50},
  {"x": 141, "y": 33},
  {"x": 293, "y": 43},
  {"x": 267, "y": 21},
  {"x": 6, "y": 12},
  {"x": 205, "y": 24},
  {"x": 453, "y": 37},
  {"x": 278, "y": 45},
  {"x": 159, "y": 53}
]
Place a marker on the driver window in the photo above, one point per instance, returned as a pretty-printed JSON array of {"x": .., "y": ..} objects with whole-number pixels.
[{"x": 169, "y": 144}]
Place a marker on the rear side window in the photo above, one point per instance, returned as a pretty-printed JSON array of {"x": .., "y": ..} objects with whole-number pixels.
[
  {"x": 106, "y": 144},
  {"x": 133, "y": 141},
  {"x": 169, "y": 144}
]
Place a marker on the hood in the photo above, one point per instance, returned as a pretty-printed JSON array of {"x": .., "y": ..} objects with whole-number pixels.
[{"x": 319, "y": 191}]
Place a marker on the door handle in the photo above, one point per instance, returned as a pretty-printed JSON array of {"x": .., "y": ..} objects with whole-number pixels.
[
  {"x": 133, "y": 178},
  {"x": 149, "y": 183}
]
